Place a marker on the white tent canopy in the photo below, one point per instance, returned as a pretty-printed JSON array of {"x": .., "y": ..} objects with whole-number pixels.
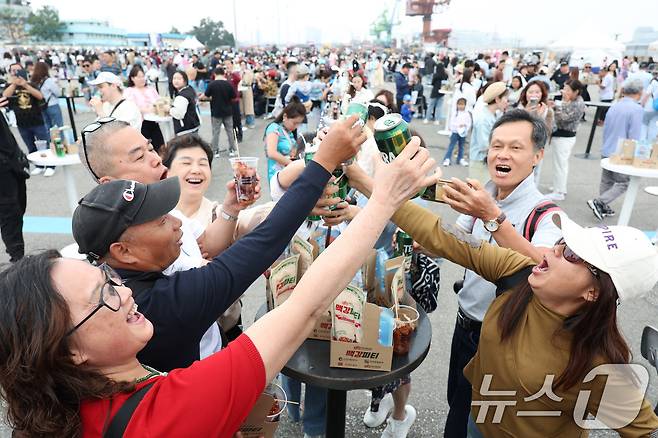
[
  {"x": 588, "y": 47},
  {"x": 191, "y": 43},
  {"x": 586, "y": 40},
  {"x": 653, "y": 47}
]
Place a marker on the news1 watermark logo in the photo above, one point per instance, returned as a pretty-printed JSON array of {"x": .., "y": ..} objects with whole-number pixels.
[{"x": 617, "y": 406}]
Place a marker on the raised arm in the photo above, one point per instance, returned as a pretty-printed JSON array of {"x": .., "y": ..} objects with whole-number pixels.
[
  {"x": 489, "y": 261},
  {"x": 229, "y": 274},
  {"x": 472, "y": 199},
  {"x": 333, "y": 270}
]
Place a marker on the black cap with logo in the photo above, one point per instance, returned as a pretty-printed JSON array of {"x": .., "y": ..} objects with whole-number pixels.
[{"x": 111, "y": 208}]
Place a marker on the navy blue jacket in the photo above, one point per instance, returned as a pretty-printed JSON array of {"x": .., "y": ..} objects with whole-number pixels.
[
  {"x": 182, "y": 306},
  {"x": 401, "y": 86}
]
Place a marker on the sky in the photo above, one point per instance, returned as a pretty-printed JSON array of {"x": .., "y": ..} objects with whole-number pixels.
[{"x": 286, "y": 21}]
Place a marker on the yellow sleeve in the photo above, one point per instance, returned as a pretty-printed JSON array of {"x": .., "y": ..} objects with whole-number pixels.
[{"x": 491, "y": 262}]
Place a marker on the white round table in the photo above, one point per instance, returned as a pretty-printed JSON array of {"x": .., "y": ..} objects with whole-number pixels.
[
  {"x": 635, "y": 173},
  {"x": 51, "y": 159},
  {"x": 166, "y": 124}
]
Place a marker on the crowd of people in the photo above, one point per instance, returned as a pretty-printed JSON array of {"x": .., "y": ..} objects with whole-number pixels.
[{"x": 154, "y": 314}]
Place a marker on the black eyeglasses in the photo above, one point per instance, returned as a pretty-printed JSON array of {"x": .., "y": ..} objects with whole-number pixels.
[
  {"x": 109, "y": 296},
  {"x": 86, "y": 65},
  {"x": 88, "y": 130},
  {"x": 572, "y": 257}
]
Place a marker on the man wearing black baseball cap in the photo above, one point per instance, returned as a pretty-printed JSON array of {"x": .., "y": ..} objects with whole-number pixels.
[{"x": 126, "y": 225}]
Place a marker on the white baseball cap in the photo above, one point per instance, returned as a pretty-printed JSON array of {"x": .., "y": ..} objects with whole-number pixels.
[
  {"x": 106, "y": 77},
  {"x": 624, "y": 253}
]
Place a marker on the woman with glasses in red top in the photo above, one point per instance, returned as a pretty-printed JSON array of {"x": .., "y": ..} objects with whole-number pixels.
[{"x": 71, "y": 332}]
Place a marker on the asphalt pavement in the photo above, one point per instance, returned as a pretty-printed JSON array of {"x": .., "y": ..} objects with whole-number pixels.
[{"x": 47, "y": 199}]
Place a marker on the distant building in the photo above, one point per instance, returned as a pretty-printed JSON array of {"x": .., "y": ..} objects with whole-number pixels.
[
  {"x": 477, "y": 40},
  {"x": 93, "y": 33},
  {"x": 642, "y": 37},
  {"x": 15, "y": 13}
]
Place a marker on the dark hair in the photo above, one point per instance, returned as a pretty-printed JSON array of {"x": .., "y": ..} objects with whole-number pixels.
[
  {"x": 374, "y": 111},
  {"x": 523, "y": 98},
  {"x": 352, "y": 91},
  {"x": 183, "y": 74},
  {"x": 40, "y": 72},
  {"x": 406, "y": 65},
  {"x": 294, "y": 109},
  {"x": 539, "y": 134},
  {"x": 303, "y": 140},
  {"x": 186, "y": 141},
  {"x": 41, "y": 384},
  {"x": 392, "y": 106},
  {"x": 466, "y": 77},
  {"x": 461, "y": 100},
  {"x": 220, "y": 71},
  {"x": 133, "y": 72},
  {"x": 516, "y": 77},
  {"x": 575, "y": 85},
  {"x": 594, "y": 328}
]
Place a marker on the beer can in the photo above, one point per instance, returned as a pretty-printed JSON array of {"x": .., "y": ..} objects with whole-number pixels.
[
  {"x": 404, "y": 247},
  {"x": 60, "y": 151},
  {"x": 391, "y": 135},
  {"x": 343, "y": 186},
  {"x": 359, "y": 109},
  {"x": 66, "y": 134}
]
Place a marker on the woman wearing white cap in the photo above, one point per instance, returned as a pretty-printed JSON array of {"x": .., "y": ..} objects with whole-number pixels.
[
  {"x": 550, "y": 328},
  {"x": 543, "y": 338}
]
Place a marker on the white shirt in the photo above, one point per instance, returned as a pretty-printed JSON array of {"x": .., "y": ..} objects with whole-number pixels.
[
  {"x": 190, "y": 257},
  {"x": 127, "y": 112},
  {"x": 607, "y": 91},
  {"x": 652, "y": 92}
]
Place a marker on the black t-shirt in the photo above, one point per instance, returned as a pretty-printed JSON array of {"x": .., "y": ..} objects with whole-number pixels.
[
  {"x": 200, "y": 76},
  {"x": 560, "y": 78},
  {"x": 221, "y": 93},
  {"x": 26, "y": 107}
]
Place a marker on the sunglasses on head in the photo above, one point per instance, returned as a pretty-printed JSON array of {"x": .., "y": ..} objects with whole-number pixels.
[
  {"x": 88, "y": 130},
  {"x": 572, "y": 257}
]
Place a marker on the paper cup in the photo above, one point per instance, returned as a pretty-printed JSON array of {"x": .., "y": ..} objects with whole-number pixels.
[
  {"x": 244, "y": 172},
  {"x": 405, "y": 324},
  {"x": 276, "y": 391}
]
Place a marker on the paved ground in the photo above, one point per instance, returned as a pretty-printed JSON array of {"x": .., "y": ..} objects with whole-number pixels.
[{"x": 46, "y": 197}]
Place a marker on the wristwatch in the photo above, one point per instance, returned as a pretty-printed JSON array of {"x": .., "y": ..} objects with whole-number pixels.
[
  {"x": 493, "y": 224},
  {"x": 228, "y": 217}
]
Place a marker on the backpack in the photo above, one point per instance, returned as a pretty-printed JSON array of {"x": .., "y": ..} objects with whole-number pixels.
[{"x": 540, "y": 211}]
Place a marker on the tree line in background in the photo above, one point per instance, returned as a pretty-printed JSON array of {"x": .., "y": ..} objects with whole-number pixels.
[{"x": 45, "y": 25}]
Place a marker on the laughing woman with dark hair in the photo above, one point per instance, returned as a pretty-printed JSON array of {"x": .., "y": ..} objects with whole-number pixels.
[{"x": 550, "y": 327}]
